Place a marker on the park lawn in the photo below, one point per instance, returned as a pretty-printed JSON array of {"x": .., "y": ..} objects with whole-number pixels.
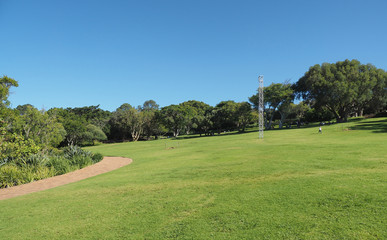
[{"x": 294, "y": 184}]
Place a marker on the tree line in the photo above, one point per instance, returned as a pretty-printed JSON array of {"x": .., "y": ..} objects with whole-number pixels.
[
  {"x": 325, "y": 92},
  {"x": 87, "y": 125},
  {"x": 328, "y": 91}
]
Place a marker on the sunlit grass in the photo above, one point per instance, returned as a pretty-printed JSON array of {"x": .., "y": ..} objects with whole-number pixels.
[{"x": 294, "y": 184}]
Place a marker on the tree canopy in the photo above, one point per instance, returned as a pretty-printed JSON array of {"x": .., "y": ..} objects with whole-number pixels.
[
  {"x": 5, "y": 84},
  {"x": 277, "y": 97},
  {"x": 344, "y": 87}
]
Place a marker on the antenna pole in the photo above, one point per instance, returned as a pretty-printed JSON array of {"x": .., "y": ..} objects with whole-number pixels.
[{"x": 260, "y": 106}]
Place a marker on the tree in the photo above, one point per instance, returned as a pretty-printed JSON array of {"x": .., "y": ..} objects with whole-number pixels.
[
  {"x": 93, "y": 115},
  {"x": 378, "y": 101},
  {"x": 9, "y": 117},
  {"x": 299, "y": 110},
  {"x": 152, "y": 125},
  {"x": 149, "y": 105},
  {"x": 344, "y": 88},
  {"x": 3, "y": 131},
  {"x": 276, "y": 94},
  {"x": 284, "y": 110},
  {"x": 74, "y": 125},
  {"x": 5, "y": 84},
  {"x": 93, "y": 133},
  {"x": 136, "y": 121},
  {"x": 206, "y": 124},
  {"x": 196, "y": 116},
  {"x": 127, "y": 121},
  {"x": 175, "y": 118},
  {"x": 225, "y": 116},
  {"x": 244, "y": 115},
  {"x": 43, "y": 128}
]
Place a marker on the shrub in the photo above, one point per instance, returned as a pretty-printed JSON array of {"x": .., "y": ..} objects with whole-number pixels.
[
  {"x": 71, "y": 151},
  {"x": 42, "y": 172},
  {"x": 60, "y": 164},
  {"x": 35, "y": 166},
  {"x": 381, "y": 114},
  {"x": 97, "y": 157},
  {"x": 36, "y": 160},
  {"x": 12, "y": 175},
  {"x": 9, "y": 176},
  {"x": 16, "y": 147},
  {"x": 82, "y": 161},
  {"x": 29, "y": 173}
]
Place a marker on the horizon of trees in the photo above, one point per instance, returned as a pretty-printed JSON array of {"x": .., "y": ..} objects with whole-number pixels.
[{"x": 325, "y": 92}]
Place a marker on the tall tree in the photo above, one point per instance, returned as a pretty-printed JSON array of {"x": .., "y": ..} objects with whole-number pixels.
[
  {"x": 40, "y": 126},
  {"x": 196, "y": 114},
  {"x": 150, "y": 118},
  {"x": 276, "y": 94},
  {"x": 75, "y": 125},
  {"x": 93, "y": 133},
  {"x": 93, "y": 115},
  {"x": 299, "y": 111},
  {"x": 127, "y": 120},
  {"x": 344, "y": 87},
  {"x": 244, "y": 114},
  {"x": 225, "y": 116},
  {"x": 5, "y": 84},
  {"x": 174, "y": 118},
  {"x": 284, "y": 110}
]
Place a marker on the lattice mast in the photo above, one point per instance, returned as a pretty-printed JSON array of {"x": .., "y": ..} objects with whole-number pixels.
[{"x": 260, "y": 107}]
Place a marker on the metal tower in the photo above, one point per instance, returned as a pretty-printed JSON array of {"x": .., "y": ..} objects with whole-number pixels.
[{"x": 260, "y": 106}]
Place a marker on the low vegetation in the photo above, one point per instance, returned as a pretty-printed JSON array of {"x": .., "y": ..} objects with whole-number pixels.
[{"x": 18, "y": 170}]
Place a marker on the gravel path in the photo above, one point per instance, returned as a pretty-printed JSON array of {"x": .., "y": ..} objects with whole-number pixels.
[{"x": 107, "y": 164}]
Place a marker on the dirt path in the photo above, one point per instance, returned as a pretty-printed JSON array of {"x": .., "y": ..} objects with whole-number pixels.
[{"x": 106, "y": 165}]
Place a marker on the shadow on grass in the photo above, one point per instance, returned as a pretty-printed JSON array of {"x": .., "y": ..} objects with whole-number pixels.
[
  {"x": 379, "y": 126},
  {"x": 215, "y": 135},
  {"x": 248, "y": 130},
  {"x": 374, "y": 126}
]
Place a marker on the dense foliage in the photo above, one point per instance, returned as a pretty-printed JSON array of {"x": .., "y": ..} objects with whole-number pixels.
[
  {"x": 28, "y": 166},
  {"x": 344, "y": 88},
  {"x": 29, "y": 139}
]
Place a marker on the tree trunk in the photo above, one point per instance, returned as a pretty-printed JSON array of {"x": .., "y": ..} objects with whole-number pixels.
[{"x": 270, "y": 122}]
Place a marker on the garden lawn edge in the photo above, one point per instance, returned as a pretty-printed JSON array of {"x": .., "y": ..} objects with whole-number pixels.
[{"x": 106, "y": 165}]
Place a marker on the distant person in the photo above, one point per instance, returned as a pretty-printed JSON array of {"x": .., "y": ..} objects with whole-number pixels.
[{"x": 320, "y": 130}]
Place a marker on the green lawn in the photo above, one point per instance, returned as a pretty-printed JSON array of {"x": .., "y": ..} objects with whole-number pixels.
[{"x": 294, "y": 184}]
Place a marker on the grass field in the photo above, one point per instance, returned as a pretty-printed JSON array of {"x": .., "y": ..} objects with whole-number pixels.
[{"x": 294, "y": 184}]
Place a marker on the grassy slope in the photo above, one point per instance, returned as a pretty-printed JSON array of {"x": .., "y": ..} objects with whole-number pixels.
[{"x": 295, "y": 184}]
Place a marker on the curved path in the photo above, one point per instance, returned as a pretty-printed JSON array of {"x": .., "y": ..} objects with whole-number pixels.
[{"x": 106, "y": 165}]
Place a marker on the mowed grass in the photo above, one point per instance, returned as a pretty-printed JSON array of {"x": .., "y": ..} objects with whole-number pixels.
[{"x": 294, "y": 184}]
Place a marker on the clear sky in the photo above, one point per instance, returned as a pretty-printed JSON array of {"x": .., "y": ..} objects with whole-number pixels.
[{"x": 77, "y": 53}]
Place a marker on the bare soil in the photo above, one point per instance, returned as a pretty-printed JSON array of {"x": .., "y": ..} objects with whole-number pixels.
[{"x": 106, "y": 165}]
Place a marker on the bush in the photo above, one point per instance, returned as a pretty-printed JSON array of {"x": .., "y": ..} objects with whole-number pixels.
[
  {"x": 35, "y": 160},
  {"x": 12, "y": 175},
  {"x": 60, "y": 164},
  {"x": 36, "y": 166},
  {"x": 71, "y": 151},
  {"x": 29, "y": 173},
  {"x": 97, "y": 157},
  {"x": 81, "y": 161},
  {"x": 16, "y": 148},
  {"x": 381, "y": 114}
]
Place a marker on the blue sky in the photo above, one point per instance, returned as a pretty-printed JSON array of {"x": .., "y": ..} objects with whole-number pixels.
[{"x": 81, "y": 53}]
